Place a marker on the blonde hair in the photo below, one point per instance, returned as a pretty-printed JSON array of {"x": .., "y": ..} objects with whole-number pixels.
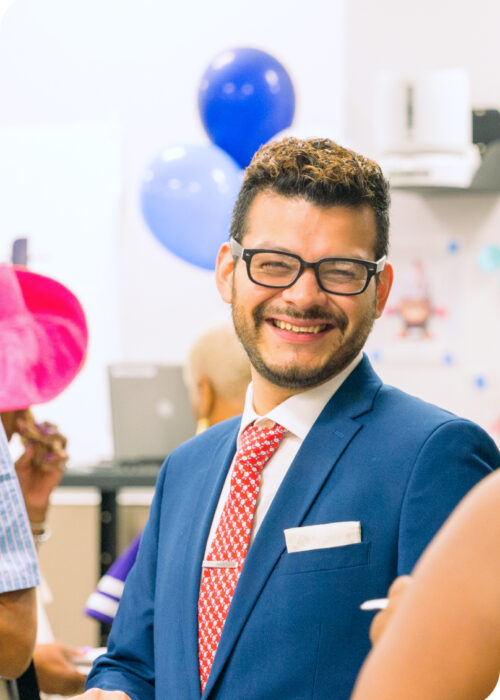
[{"x": 218, "y": 355}]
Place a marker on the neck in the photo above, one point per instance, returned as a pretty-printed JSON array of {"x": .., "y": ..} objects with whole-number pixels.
[
  {"x": 223, "y": 408},
  {"x": 267, "y": 396}
]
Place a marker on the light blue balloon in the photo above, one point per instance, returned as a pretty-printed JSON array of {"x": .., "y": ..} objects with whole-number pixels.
[
  {"x": 187, "y": 197},
  {"x": 488, "y": 258}
]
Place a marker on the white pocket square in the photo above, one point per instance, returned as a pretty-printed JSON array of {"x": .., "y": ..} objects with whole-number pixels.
[{"x": 302, "y": 539}]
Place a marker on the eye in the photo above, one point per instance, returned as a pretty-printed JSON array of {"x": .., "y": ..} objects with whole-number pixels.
[
  {"x": 274, "y": 265},
  {"x": 343, "y": 274}
]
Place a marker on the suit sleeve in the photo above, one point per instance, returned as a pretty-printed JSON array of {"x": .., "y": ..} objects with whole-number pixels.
[
  {"x": 128, "y": 664},
  {"x": 451, "y": 461}
]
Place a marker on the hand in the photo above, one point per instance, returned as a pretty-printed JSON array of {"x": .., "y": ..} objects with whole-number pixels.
[
  {"x": 96, "y": 694},
  {"x": 381, "y": 619},
  {"x": 55, "y": 670},
  {"x": 49, "y": 444},
  {"x": 36, "y": 484},
  {"x": 42, "y": 465}
]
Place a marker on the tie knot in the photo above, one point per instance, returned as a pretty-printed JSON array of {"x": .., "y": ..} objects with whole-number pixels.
[
  {"x": 261, "y": 432},
  {"x": 259, "y": 442}
]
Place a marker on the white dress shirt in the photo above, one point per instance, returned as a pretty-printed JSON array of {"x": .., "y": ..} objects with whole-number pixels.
[{"x": 297, "y": 415}]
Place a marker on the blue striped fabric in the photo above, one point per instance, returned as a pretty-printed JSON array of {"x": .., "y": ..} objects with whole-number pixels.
[{"x": 18, "y": 562}]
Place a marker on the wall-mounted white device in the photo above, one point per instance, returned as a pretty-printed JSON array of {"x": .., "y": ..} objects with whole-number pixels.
[{"x": 424, "y": 128}]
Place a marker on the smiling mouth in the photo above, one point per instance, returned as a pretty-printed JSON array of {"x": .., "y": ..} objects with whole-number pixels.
[{"x": 285, "y": 326}]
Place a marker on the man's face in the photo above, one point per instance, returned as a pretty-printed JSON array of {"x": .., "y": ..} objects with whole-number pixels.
[{"x": 301, "y": 336}]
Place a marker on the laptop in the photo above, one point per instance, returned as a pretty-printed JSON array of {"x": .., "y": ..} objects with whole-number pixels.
[{"x": 151, "y": 413}]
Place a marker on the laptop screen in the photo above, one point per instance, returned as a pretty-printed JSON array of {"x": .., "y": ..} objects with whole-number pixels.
[{"x": 150, "y": 411}]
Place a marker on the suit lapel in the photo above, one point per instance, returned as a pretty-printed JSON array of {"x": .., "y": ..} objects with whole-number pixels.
[
  {"x": 203, "y": 514},
  {"x": 325, "y": 443}
]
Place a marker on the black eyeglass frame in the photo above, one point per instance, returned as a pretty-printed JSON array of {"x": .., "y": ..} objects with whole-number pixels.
[{"x": 246, "y": 254}]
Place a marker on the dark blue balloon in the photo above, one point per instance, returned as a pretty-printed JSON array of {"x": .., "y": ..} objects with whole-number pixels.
[
  {"x": 245, "y": 98},
  {"x": 187, "y": 198}
]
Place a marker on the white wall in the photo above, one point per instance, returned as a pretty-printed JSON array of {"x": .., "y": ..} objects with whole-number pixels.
[
  {"x": 133, "y": 67},
  {"x": 53, "y": 193},
  {"x": 411, "y": 37}
]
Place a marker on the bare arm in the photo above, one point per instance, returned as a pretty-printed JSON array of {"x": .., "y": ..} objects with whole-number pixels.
[
  {"x": 444, "y": 641},
  {"x": 17, "y": 631}
]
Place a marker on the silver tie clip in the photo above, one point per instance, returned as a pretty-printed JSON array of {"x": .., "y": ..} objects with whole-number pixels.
[{"x": 218, "y": 564}]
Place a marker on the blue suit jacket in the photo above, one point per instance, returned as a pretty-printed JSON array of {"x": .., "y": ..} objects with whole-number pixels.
[{"x": 294, "y": 628}]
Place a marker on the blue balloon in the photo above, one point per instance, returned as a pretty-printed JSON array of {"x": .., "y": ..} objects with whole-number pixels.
[
  {"x": 245, "y": 98},
  {"x": 187, "y": 198}
]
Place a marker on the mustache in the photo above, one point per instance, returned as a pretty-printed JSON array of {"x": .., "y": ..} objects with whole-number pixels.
[{"x": 338, "y": 319}]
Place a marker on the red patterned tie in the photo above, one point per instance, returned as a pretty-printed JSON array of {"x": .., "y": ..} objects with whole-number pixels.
[{"x": 228, "y": 550}]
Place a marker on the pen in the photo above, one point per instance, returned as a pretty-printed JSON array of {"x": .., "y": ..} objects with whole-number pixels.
[{"x": 375, "y": 604}]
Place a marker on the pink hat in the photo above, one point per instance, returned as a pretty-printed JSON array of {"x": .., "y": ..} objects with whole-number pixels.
[{"x": 43, "y": 338}]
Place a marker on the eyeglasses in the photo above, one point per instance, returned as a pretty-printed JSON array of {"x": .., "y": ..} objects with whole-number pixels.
[{"x": 272, "y": 268}]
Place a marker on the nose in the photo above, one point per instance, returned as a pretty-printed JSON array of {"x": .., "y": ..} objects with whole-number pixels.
[{"x": 305, "y": 291}]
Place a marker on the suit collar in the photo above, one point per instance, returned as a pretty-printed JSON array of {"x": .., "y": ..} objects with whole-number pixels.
[
  {"x": 332, "y": 432},
  {"x": 299, "y": 412},
  {"x": 357, "y": 394}
]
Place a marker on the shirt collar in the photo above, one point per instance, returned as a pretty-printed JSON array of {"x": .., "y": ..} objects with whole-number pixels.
[{"x": 298, "y": 413}]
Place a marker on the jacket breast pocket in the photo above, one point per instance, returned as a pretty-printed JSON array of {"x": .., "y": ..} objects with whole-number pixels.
[{"x": 324, "y": 559}]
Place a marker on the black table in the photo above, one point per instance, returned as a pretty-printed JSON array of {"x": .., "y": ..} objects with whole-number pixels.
[{"x": 109, "y": 478}]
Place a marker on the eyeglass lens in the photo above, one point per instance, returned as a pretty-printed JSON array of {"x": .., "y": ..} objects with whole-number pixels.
[{"x": 280, "y": 270}]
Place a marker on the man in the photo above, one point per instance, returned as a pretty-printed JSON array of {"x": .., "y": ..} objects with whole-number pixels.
[
  {"x": 18, "y": 574},
  {"x": 354, "y": 477}
]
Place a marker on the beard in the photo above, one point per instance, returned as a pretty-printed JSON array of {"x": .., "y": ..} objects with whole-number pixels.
[{"x": 296, "y": 375}]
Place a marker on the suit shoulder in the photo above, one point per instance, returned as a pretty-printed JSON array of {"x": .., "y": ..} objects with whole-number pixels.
[
  {"x": 422, "y": 417},
  {"x": 209, "y": 439},
  {"x": 394, "y": 400}
]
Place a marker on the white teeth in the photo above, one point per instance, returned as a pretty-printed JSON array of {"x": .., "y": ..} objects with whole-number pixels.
[{"x": 284, "y": 326}]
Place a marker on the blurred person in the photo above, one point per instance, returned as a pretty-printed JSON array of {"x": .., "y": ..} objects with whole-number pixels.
[
  {"x": 43, "y": 340},
  {"x": 18, "y": 574},
  {"x": 267, "y": 530},
  {"x": 439, "y": 638},
  {"x": 217, "y": 374},
  {"x": 40, "y": 466},
  {"x": 39, "y": 470}
]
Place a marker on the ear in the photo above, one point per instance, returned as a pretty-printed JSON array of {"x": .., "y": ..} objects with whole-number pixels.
[
  {"x": 205, "y": 396},
  {"x": 384, "y": 287},
  {"x": 224, "y": 273}
]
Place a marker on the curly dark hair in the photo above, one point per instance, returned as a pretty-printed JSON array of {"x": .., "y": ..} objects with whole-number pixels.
[{"x": 323, "y": 173}]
